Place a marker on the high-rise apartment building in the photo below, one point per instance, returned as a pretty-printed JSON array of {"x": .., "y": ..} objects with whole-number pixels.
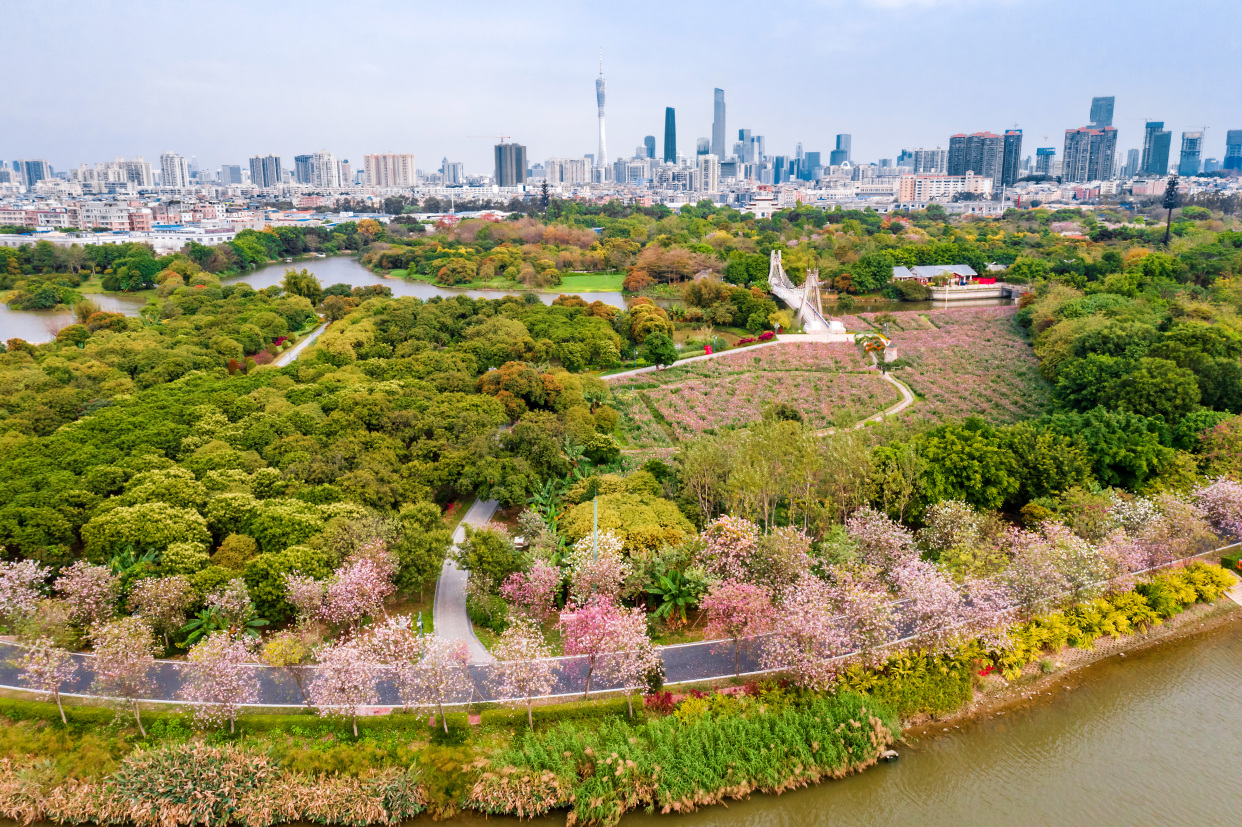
[
  {"x": 1192, "y": 149},
  {"x": 265, "y": 171},
  {"x": 1156, "y": 144},
  {"x": 670, "y": 136},
  {"x": 32, "y": 172},
  {"x": 1102, "y": 112},
  {"x": 718, "y": 124},
  {"x": 302, "y": 168},
  {"x": 568, "y": 171},
  {"x": 1131, "y": 166},
  {"x": 230, "y": 174},
  {"x": 842, "y": 153},
  {"x": 927, "y": 161},
  {"x": 1089, "y": 154},
  {"x": 982, "y": 153},
  {"x": 325, "y": 171},
  {"x": 390, "y": 169},
  {"x": 708, "y": 173},
  {"x": 1044, "y": 156},
  {"x": 1233, "y": 150},
  {"x": 510, "y": 165},
  {"x": 602, "y": 158},
  {"x": 1011, "y": 161},
  {"x": 174, "y": 171}
]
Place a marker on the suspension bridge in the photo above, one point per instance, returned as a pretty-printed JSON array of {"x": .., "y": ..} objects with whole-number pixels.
[{"x": 804, "y": 300}]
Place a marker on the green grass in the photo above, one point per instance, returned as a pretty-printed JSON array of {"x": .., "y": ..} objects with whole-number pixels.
[
  {"x": 92, "y": 287},
  {"x": 591, "y": 282}
]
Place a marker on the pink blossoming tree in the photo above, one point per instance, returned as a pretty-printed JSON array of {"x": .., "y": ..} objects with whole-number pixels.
[
  {"x": 882, "y": 543},
  {"x": 1221, "y": 503},
  {"x": 124, "y": 654},
  {"x": 45, "y": 667},
  {"x": 91, "y": 592},
  {"x": 808, "y": 637},
  {"x": 526, "y": 669},
  {"x": 346, "y": 679},
  {"x": 220, "y": 677},
  {"x": 737, "y": 611},
  {"x": 597, "y": 627},
  {"x": 630, "y": 656},
  {"x": 533, "y": 592},
  {"x": 163, "y": 601},
  {"x": 20, "y": 585},
  {"x": 441, "y": 675},
  {"x": 935, "y": 606}
]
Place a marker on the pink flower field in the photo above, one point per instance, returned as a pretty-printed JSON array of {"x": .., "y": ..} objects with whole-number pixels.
[
  {"x": 974, "y": 362},
  {"x": 827, "y": 383}
]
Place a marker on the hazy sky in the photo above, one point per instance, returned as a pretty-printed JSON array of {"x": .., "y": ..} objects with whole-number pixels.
[{"x": 226, "y": 80}]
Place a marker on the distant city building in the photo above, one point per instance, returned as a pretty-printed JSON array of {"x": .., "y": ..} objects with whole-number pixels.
[
  {"x": 346, "y": 174},
  {"x": 708, "y": 167},
  {"x": 1233, "y": 150},
  {"x": 1131, "y": 166},
  {"x": 810, "y": 163},
  {"x": 1156, "y": 144},
  {"x": 510, "y": 165},
  {"x": 1044, "y": 157},
  {"x": 1102, "y": 112},
  {"x": 1088, "y": 154},
  {"x": 302, "y": 168},
  {"x": 1211, "y": 165},
  {"x": 32, "y": 172},
  {"x": 650, "y": 143},
  {"x": 703, "y": 146},
  {"x": 923, "y": 188},
  {"x": 325, "y": 172},
  {"x": 1192, "y": 147},
  {"x": 392, "y": 169},
  {"x": 174, "y": 171},
  {"x": 841, "y": 154},
  {"x": 452, "y": 172},
  {"x": 982, "y": 153},
  {"x": 670, "y": 136},
  {"x": 230, "y": 174},
  {"x": 599, "y": 100},
  {"x": 927, "y": 161},
  {"x": 718, "y": 124},
  {"x": 1012, "y": 158},
  {"x": 568, "y": 171},
  {"x": 265, "y": 172}
]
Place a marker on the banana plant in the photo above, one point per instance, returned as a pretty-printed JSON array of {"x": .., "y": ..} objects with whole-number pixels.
[{"x": 677, "y": 593}]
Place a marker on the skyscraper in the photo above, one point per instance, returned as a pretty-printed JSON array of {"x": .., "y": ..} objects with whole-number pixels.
[
  {"x": 842, "y": 153},
  {"x": 670, "y": 136},
  {"x": 392, "y": 170},
  {"x": 1192, "y": 147},
  {"x": 1156, "y": 143},
  {"x": 1012, "y": 158},
  {"x": 602, "y": 158},
  {"x": 982, "y": 153},
  {"x": 325, "y": 172},
  {"x": 1089, "y": 154},
  {"x": 806, "y": 171},
  {"x": 703, "y": 146},
  {"x": 1233, "y": 149},
  {"x": 230, "y": 174},
  {"x": 708, "y": 168},
  {"x": 1044, "y": 157},
  {"x": 1131, "y": 167},
  {"x": 302, "y": 169},
  {"x": 265, "y": 171},
  {"x": 174, "y": 172},
  {"x": 510, "y": 165},
  {"x": 32, "y": 172},
  {"x": 1102, "y": 112},
  {"x": 718, "y": 125}
]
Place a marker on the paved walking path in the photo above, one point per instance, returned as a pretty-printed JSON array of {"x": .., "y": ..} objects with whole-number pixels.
[
  {"x": 286, "y": 358},
  {"x": 449, "y": 615}
]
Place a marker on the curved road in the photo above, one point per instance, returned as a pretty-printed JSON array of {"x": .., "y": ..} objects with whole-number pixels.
[
  {"x": 287, "y": 358},
  {"x": 449, "y": 616}
]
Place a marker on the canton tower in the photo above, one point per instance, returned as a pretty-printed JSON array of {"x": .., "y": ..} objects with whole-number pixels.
[{"x": 601, "y": 159}]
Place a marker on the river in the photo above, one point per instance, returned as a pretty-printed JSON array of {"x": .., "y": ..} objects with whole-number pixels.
[{"x": 1152, "y": 738}]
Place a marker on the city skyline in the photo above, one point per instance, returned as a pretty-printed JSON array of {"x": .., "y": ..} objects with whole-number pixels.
[{"x": 69, "y": 123}]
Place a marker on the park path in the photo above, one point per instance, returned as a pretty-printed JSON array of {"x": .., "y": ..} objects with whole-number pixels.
[
  {"x": 449, "y": 614},
  {"x": 287, "y": 358},
  {"x": 782, "y": 339}
]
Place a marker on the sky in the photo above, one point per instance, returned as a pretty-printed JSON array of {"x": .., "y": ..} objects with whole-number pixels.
[{"x": 224, "y": 80}]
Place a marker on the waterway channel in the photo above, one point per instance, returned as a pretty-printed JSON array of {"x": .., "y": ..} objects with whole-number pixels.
[{"x": 1152, "y": 738}]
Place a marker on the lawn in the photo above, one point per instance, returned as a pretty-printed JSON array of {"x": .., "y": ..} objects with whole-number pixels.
[
  {"x": 968, "y": 362},
  {"x": 591, "y": 282}
]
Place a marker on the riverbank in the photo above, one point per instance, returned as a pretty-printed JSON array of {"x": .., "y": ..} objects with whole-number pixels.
[{"x": 995, "y": 697}]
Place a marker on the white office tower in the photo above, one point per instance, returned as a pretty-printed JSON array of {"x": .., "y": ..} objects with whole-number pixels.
[{"x": 602, "y": 158}]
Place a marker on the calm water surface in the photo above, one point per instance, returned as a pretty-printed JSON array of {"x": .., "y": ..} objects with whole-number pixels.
[
  {"x": 1151, "y": 739},
  {"x": 38, "y": 326}
]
